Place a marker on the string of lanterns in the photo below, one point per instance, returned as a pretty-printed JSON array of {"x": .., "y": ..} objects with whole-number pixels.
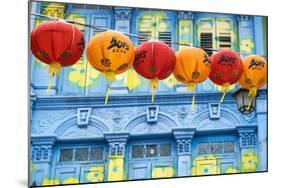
[{"x": 60, "y": 43}]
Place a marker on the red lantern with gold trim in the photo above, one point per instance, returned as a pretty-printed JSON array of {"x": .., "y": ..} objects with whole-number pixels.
[
  {"x": 226, "y": 69},
  {"x": 155, "y": 61},
  {"x": 58, "y": 44}
]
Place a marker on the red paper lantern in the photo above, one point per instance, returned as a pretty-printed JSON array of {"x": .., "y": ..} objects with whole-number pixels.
[
  {"x": 154, "y": 60},
  {"x": 226, "y": 69},
  {"x": 58, "y": 44}
]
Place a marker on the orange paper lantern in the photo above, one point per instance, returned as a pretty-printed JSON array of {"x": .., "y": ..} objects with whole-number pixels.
[
  {"x": 111, "y": 53},
  {"x": 254, "y": 75},
  {"x": 192, "y": 67}
]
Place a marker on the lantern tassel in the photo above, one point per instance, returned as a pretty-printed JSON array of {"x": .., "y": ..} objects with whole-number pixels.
[
  {"x": 106, "y": 96},
  {"x": 109, "y": 77},
  {"x": 153, "y": 85},
  {"x": 53, "y": 70},
  {"x": 193, "y": 102},
  {"x": 225, "y": 88},
  {"x": 252, "y": 93},
  {"x": 192, "y": 86},
  {"x": 50, "y": 83}
]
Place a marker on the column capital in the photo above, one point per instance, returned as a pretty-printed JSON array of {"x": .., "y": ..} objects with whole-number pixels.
[
  {"x": 183, "y": 138},
  {"x": 117, "y": 137},
  {"x": 183, "y": 133},
  {"x": 117, "y": 142},
  {"x": 42, "y": 149},
  {"x": 247, "y": 136}
]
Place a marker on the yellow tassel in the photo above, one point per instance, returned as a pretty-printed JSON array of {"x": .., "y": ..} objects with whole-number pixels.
[
  {"x": 50, "y": 83},
  {"x": 193, "y": 102},
  {"x": 109, "y": 77},
  {"x": 192, "y": 86},
  {"x": 225, "y": 88},
  {"x": 106, "y": 96},
  {"x": 252, "y": 93},
  {"x": 153, "y": 85},
  {"x": 53, "y": 70}
]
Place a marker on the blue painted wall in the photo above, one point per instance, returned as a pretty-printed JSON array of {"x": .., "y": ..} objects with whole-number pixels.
[{"x": 74, "y": 116}]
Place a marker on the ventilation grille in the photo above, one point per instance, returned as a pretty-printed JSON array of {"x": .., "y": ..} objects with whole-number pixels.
[
  {"x": 224, "y": 40},
  {"x": 146, "y": 34},
  {"x": 165, "y": 37},
  {"x": 206, "y": 42}
]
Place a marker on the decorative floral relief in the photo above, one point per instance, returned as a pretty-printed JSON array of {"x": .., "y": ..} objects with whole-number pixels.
[
  {"x": 215, "y": 124},
  {"x": 42, "y": 125},
  {"x": 117, "y": 117},
  {"x": 87, "y": 132},
  {"x": 145, "y": 128}
]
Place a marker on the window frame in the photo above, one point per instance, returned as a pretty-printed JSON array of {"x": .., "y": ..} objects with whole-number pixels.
[
  {"x": 74, "y": 148},
  {"x": 222, "y": 147},
  {"x": 145, "y": 150}
]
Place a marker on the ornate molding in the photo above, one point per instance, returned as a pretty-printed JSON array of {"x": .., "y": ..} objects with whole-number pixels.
[
  {"x": 152, "y": 114},
  {"x": 42, "y": 149},
  {"x": 184, "y": 146},
  {"x": 139, "y": 125},
  {"x": 184, "y": 137},
  {"x": 123, "y": 13},
  {"x": 117, "y": 149},
  {"x": 83, "y": 116},
  {"x": 183, "y": 111},
  {"x": 116, "y": 142},
  {"x": 145, "y": 128},
  {"x": 42, "y": 153},
  {"x": 117, "y": 117},
  {"x": 96, "y": 127},
  {"x": 76, "y": 132},
  {"x": 208, "y": 124},
  {"x": 245, "y": 18},
  {"x": 247, "y": 136},
  {"x": 214, "y": 109},
  {"x": 185, "y": 15},
  {"x": 203, "y": 121},
  {"x": 41, "y": 125}
]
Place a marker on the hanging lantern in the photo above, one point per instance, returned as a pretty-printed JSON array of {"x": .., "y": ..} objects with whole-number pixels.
[
  {"x": 58, "y": 44},
  {"x": 226, "y": 69},
  {"x": 111, "y": 53},
  {"x": 155, "y": 61},
  {"x": 254, "y": 75},
  {"x": 192, "y": 67}
]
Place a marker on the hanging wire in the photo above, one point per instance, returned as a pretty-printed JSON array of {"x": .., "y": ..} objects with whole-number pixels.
[{"x": 125, "y": 33}]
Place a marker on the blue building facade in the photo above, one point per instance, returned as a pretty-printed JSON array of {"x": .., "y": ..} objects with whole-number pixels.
[{"x": 75, "y": 138}]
